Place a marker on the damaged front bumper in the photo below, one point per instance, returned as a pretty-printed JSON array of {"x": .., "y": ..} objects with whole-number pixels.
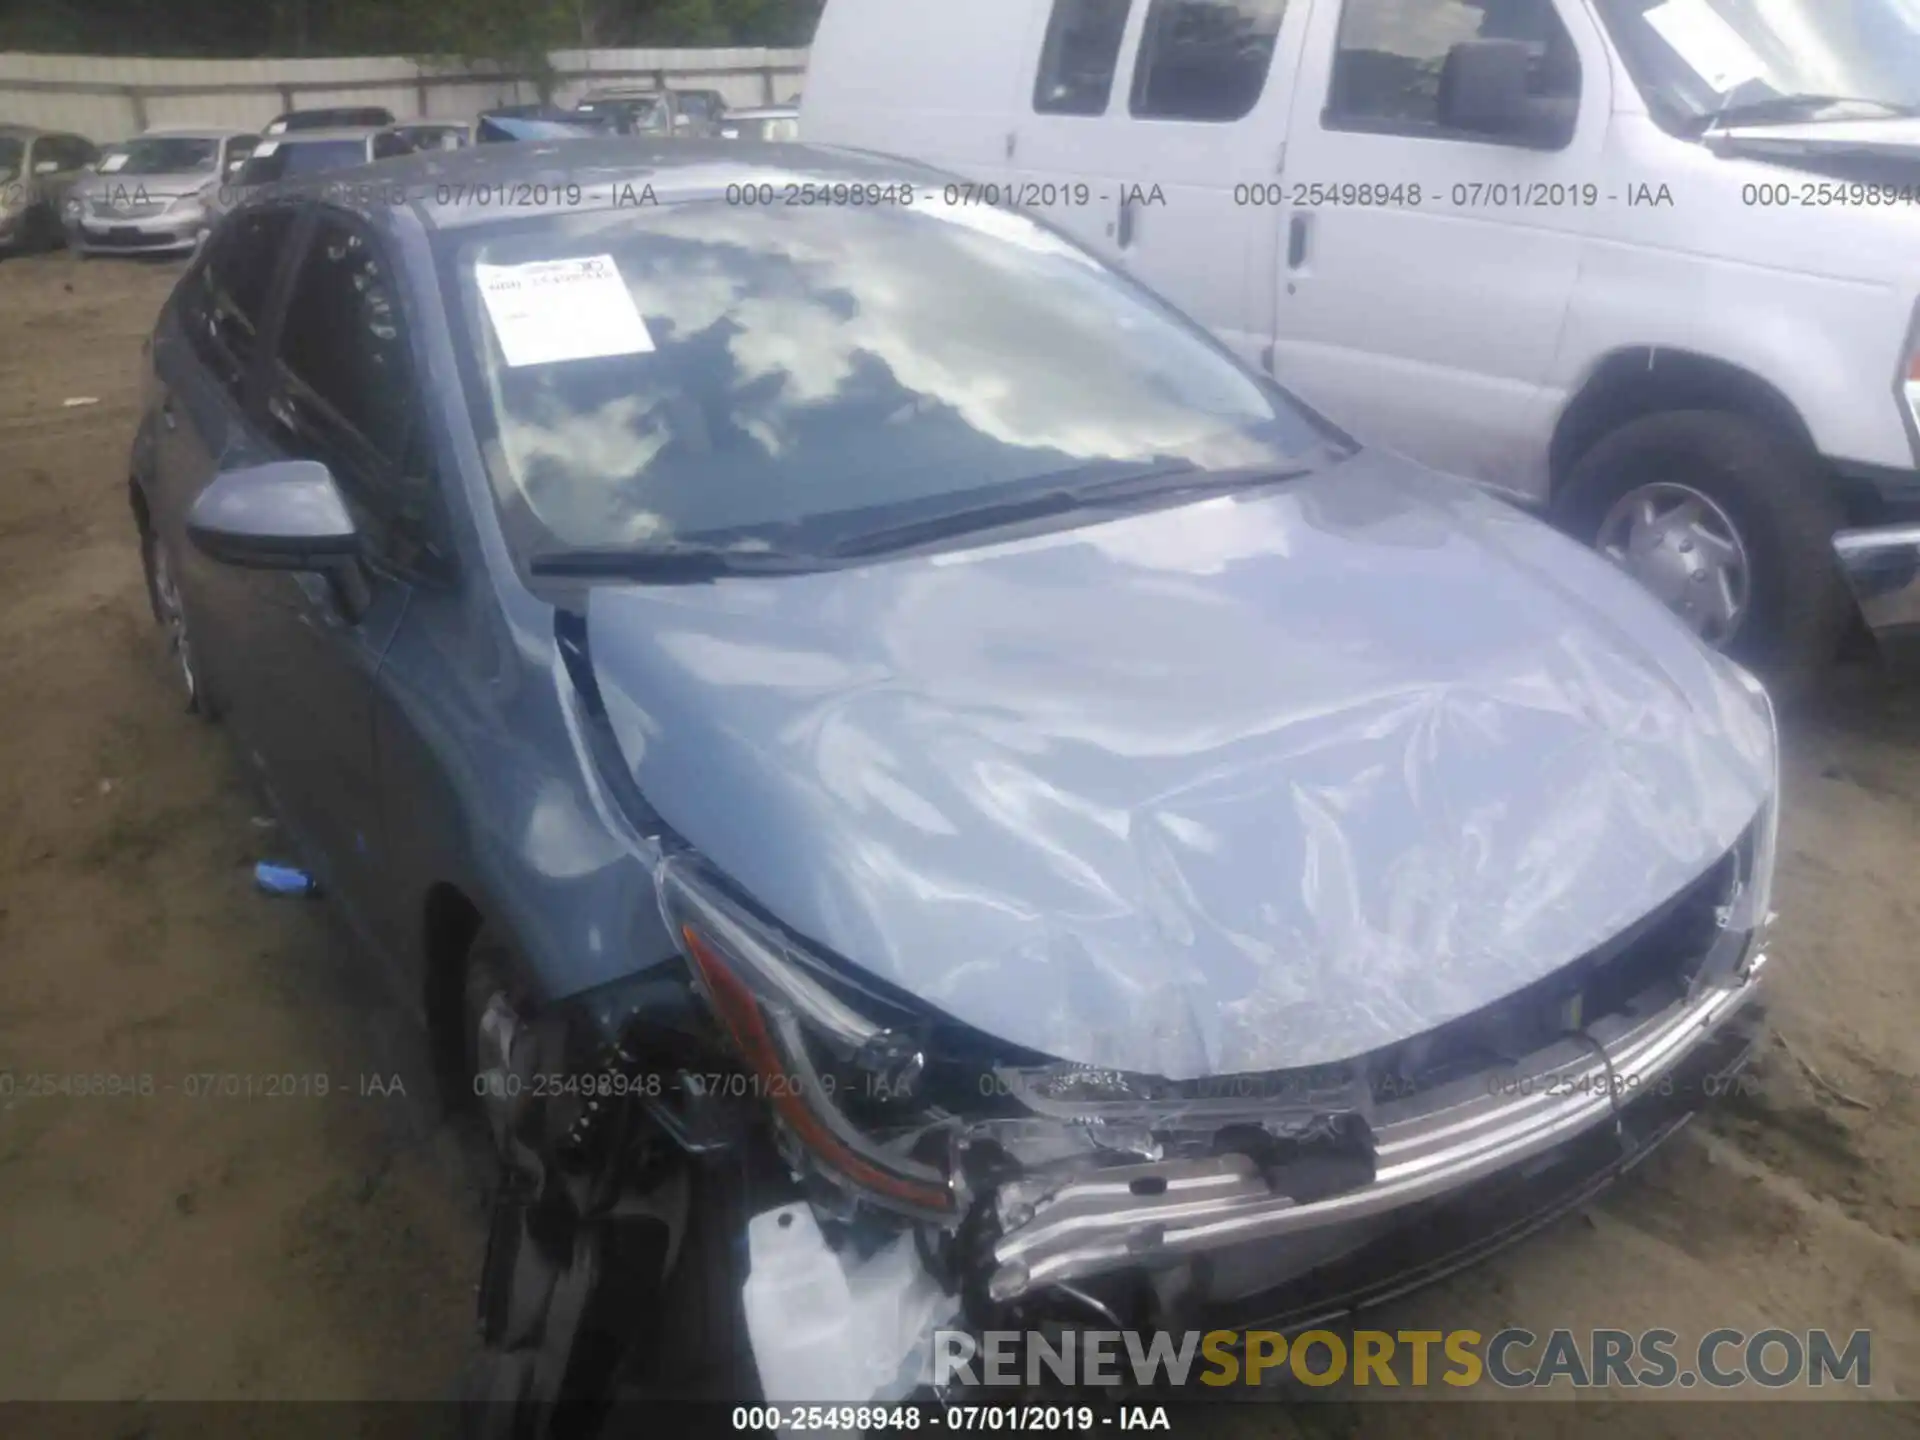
[
  {"x": 1882, "y": 567},
  {"x": 1155, "y": 1216}
]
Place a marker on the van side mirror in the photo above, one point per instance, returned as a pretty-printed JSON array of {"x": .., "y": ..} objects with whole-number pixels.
[{"x": 1484, "y": 91}]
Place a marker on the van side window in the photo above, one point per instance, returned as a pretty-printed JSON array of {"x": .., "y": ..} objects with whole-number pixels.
[
  {"x": 1204, "y": 59},
  {"x": 1078, "y": 60},
  {"x": 1392, "y": 62}
]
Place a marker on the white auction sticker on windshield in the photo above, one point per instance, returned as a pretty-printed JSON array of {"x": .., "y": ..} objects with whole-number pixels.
[
  {"x": 1710, "y": 46},
  {"x": 554, "y": 310},
  {"x": 113, "y": 163}
]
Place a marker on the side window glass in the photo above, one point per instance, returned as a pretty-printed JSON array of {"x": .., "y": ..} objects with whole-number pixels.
[
  {"x": 1078, "y": 59},
  {"x": 341, "y": 344},
  {"x": 239, "y": 147},
  {"x": 1407, "y": 67},
  {"x": 1205, "y": 59},
  {"x": 236, "y": 281}
]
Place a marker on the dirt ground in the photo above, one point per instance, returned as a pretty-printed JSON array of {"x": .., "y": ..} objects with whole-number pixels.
[{"x": 187, "y": 1245}]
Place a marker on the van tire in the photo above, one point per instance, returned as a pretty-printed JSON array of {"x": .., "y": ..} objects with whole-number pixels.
[{"x": 1779, "y": 500}]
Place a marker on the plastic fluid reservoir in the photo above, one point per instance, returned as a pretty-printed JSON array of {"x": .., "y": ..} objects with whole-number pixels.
[{"x": 800, "y": 1312}]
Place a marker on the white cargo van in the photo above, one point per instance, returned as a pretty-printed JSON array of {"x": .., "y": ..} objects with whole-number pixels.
[{"x": 1650, "y": 263}]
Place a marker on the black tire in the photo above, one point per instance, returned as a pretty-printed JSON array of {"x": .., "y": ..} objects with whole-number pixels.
[
  {"x": 509, "y": 1391},
  {"x": 1778, "y": 498}
]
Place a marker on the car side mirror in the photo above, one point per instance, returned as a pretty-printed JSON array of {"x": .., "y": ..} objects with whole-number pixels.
[
  {"x": 285, "y": 515},
  {"x": 1484, "y": 91}
]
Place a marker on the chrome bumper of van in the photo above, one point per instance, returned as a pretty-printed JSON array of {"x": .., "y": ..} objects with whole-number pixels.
[
  {"x": 1883, "y": 568},
  {"x": 1426, "y": 1147}
]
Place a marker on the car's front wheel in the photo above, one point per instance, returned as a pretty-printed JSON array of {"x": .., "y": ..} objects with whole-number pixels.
[
  {"x": 1730, "y": 524},
  {"x": 589, "y": 1253}
]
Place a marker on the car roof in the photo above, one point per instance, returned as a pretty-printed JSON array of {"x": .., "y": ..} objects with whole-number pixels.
[
  {"x": 604, "y": 169},
  {"x": 344, "y": 132},
  {"x": 190, "y": 132}
]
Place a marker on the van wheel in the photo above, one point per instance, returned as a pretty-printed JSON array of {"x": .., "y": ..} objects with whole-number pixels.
[{"x": 1730, "y": 524}]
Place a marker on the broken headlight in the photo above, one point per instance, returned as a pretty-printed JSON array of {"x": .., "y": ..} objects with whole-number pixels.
[
  {"x": 845, "y": 1087},
  {"x": 1751, "y": 911}
]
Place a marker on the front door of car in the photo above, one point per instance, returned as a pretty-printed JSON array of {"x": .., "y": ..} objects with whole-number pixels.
[
  {"x": 1423, "y": 292},
  {"x": 338, "y": 387},
  {"x": 57, "y": 161},
  {"x": 204, "y": 367}
]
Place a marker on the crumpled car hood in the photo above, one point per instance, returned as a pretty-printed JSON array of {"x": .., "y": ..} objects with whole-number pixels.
[{"x": 1250, "y": 784}]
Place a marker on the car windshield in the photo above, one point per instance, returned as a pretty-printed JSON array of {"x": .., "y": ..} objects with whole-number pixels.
[
  {"x": 505, "y": 128},
  {"x": 1701, "y": 60},
  {"x": 11, "y": 152},
  {"x": 795, "y": 378},
  {"x": 169, "y": 155},
  {"x": 635, "y": 114},
  {"x": 308, "y": 157}
]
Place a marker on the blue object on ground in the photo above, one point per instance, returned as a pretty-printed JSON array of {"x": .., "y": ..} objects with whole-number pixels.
[{"x": 283, "y": 879}]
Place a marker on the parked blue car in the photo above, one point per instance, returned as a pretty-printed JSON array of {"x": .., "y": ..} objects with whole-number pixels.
[{"x": 835, "y": 706}]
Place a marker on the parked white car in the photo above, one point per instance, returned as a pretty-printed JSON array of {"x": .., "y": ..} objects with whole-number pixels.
[
  {"x": 1631, "y": 260},
  {"x": 157, "y": 195}
]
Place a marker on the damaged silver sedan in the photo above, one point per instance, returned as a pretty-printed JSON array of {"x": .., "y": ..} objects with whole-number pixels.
[{"x": 915, "y": 789}]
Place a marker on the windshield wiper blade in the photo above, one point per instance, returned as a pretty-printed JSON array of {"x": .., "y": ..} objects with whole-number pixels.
[
  {"x": 670, "y": 564},
  {"x": 1790, "y": 107},
  {"x": 1187, "y": 483},
  {"x": 995, "y": 516},
  {"x": 1180, "y": 481}
]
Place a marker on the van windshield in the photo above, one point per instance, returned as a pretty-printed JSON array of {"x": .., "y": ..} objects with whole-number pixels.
[{"x": 1701, "y": 60}]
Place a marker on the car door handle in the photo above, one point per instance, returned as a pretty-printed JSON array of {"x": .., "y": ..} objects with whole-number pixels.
[
  {"x": 169, "y": 417},
  {"x": 1297, "y": 234}
]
